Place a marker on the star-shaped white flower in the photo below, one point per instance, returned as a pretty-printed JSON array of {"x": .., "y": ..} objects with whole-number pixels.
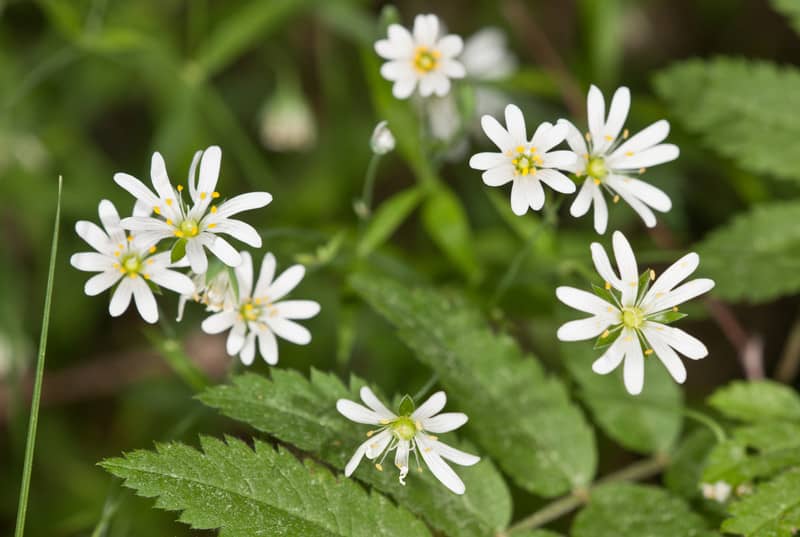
[
  {"x": 422, "y": 57},
  {"x": 527, "y": 163},
  {"x": 408, "y": 431},
  {"x": 609, "y": 160},
  {"x": 199, "y": 222},
  {"x": 127, "y": 260},
  {"x": 638, "y": 317},
  {"x": 258, "y": 314}
]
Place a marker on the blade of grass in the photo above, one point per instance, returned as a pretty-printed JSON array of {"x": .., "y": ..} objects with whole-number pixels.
[{"x": 37, "y": 386}]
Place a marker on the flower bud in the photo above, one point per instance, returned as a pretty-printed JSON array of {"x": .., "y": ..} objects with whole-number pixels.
[{"x": 382, "y": 140}]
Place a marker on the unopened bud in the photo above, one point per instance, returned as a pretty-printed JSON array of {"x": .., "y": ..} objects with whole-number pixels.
[{"x": 382, "y": 140}]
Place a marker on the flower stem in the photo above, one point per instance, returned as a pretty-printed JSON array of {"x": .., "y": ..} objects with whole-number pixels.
[
  {"x": 643, "y": 469},
  {"x": 363, "y": 207},
  {"x": 37, "y": 386},
  {"x": 712, "y": 425},
  {"x": 426, "y": 388}
]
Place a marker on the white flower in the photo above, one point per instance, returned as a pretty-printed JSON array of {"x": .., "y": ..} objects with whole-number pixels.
[
  {"x": 422, "y": 58},
  {"x": 609, "y": 160},
  {"x": 719, "y": 491},
  {"x": 216, "y": 293},
  {"x": 127, "y": 260},
  {"x": 639, "y": 316},
  {"x": 200, "y": 223},
  {"x": 406, "y": 432},
  {"x": 527, "y": 163},
  {"x": 287, "y": 122},
  {"x": 382, "y": 140},
  {"x": 486, "y": 55},
  {"x": 258, "y": 314}
]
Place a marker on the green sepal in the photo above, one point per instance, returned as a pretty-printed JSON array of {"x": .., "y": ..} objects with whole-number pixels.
[
  {"x": 667, "y": 317},
  {"x": 606, "y": 295},
  {"x": 644, "y": 285},
  {"x": 178, "y": 251},
  {"x": 153, "y": 287},
  {"x": 605, "y": 342},
  {"x": 406, "y": 406}
]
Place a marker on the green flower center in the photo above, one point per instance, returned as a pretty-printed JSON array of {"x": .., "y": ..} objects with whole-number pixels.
[
  {"x": 249, "y": 312},
  {"x": 189, "y": 228},
  {"x": 596, "y": 168},
  {"x": 425, "y": 59},
  {"x": 131, "y": 264},
  {"x": 404, "y": 428},
  {"x": 632, "y": 317},
  {"x": 525, "y": 161}
]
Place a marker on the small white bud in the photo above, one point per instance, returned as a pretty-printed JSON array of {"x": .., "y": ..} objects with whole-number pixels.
[
  {"x": 287, "y": 122},
  {"x": 719, "y": 491},
  {"x": 382, "y": 140}
]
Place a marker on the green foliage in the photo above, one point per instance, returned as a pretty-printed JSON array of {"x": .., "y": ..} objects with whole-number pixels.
[
  {"x": 303, "y": 413},
  {"x": 739, "y": 108},
  {"x": 770, "y": 265},
  {"x": 534, "y": 533},
  {"x": 626, "y": 510},
  {"x": 684, "y": 474},
  {"x": 791, "y": 9},
  {"x": 757, "y": 401},
  {"x": 260, "y": 491},
  {"x": 548, "y": 451},
  {"x": 446, "y": 222},
  {"x": 644, "y": 423},
  {"x": 772, "y": 511},
  {"x": 387, "y": 218}
]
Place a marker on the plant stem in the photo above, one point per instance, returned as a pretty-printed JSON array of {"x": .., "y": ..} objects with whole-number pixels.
[
  {"x": 426, "y": 388},
  {"x": 37, "y": 386},
  {"x": 712, "y": 425},
  {"x": 790, "y": 359},
  {"x": 364, "y": 208},
  {"x": 643, "y": 469}
]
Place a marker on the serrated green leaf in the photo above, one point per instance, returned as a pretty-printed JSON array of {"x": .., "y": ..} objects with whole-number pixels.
[
  {"x": 523, "y": 418},
  {"x": 773, "y": 510},
  {"x": 446, "y": 222},
  {"x": 178, "y": 251},
  {"x": 791, "y": 10},
  {"x": 644, "y": 423},
  {"x": 683, "y": 476},
  {"x": 388, "y": 217},
  {"x": 754, "y": 452},
  {"x": 749, "y": 125},
  {"x": 303, "y": 413},
  {"x": 757, "y": 401},
  {"x": 628, "y": 510},
  {"x": 769, "y": 267},
  {"x": 260, "y": 491}
]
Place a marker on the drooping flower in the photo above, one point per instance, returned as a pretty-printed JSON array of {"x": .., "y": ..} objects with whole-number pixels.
[
  {"x": 527, "y": 163},
  {"x": 128, "y": 260},
  {"x": 382, "y": 140},
  {"x": 215, "y": 291},
  {"x": 422, "y": 58},
  {"x": 486, "y": 55},
  {"x": 638, "y": 317},
  {"x": 196, "y": 224},
  {"x": 609, "y": 159},
  {"x": 286, "y": 122},
  {"x": 408, "y": 431},
  {"x": 258, "y": 314}
]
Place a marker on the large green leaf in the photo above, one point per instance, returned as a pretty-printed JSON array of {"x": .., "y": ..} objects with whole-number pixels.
[
  {"x": 303, "y": 413},
  {"x": 261, "y": 491},
  {"x": 387, "y": 218},
  {"x": 628, "y": 510},
  {"x": 644, "y": 423},
  {"x": 772, "y": 511},
  {"x": 739, "y": 108},
  {"x": 518, "y": 414},
  {"x": 757, "y": 401},
  {"x": 770, "y": 265},
  {"x": 791, "y": 9},
  {"x": 684, "y": 474}
]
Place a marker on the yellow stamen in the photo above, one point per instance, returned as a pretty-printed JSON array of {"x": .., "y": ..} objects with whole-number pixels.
[
  {"x": 674, "y": 308},
  {"x": 212, "y": 226},
  {"x": 169, "y": 222},
  {"x": 213, "y": 209},
  {"x": 648, "y": 352},
  {"x": 625, "y": 134},
  {"x": 628, "y": 153},
  {"x": 169, "y": 201},
  {"x": 203, "y": 195},
  {"x": 616, "y": 198},
  {"x": 608, "y": 286},
  {"x": 608, "y": 138},
  {"x": 180, "y": 188},
  {"x": 588, "y": 137},
  {"x": 379, "y": 467},
  {"x": 604, "y": 334},
  {"x": 156, "y": 210},
  {"x": 520, "y": 149},
  {"x": 596, "y": 181},
  {"x": 215, "y": 195},
  {"x": 130, "y": 238},
  {"x": 152, "y": 249},
  {"x": 179, "y": 233},
  {"x": 652, "y": 274}
]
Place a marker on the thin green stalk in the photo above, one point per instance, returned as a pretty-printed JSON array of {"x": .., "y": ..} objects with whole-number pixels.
[
  {"x": 37, "y": 385},
  {"x": 426, "y": 388},
  {"x": 364, "y": 205},
  {"x": 712, "y": 425}
]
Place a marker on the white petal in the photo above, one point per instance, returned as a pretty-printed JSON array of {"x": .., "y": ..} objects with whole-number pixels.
[
  {"x": 109, "y": 217},
  {"x": 100, "y": 282},
  {"x": 378, "y": 444},
  {"x": 283, "y": 284},
  {"x": 235, "y": 341},
  {"x": 372, "y": 401},
  {"x": 397, "y": 70},
  {"x": 585, "y": 301},
  {"x": 556, "y": 180},
  {"x": 684, "y": 343},
  {"x": 243, "y": 202},
  {"x": 596, "y": 112},
  {"x": 223, "y": 251},
  {"x": 452, "y": 454},
  {"x": 575, "y": 139},
  {"x": 487, "y": 160},
  {"x": 352, "y": 464},
  {"x": 244, "y": 275},
  {"x": 644, "y": 159},
  {"x": 240, "y": 231},
  {"x": 515, "y": 123},
  {"x": 197, "y": 257},
  {"x": 519, "y": 197},
  {"x": 628, "y": 270},
  {"x": 582, "y": 329},
  {"x": 438, "y": 467},
  {"x": 675, "y": 274},
  {"x": 145, "y": 301},
  {"x": 121, "y": 298},
  {"x": 652, "y": 196},
  {"x": 209, "y": 173},
  {"x": 426, "y": 29},
  {"x": 174, "y": 281},
  {"x": 600, "y": 211},
  {"x": 617, "y": 113},
  {"x": 445, "y": 422},
  {"x": 433, "y": 405},
  {"x": 665, "y": 353},
  {"x": 681, "y": 294},
  {"x": 401, "y": 459},
  {"x": 297, "y": 309},
  {"x": 265, "y": 276},
  {"x": 94, "y": 237},
  {"x": 450, "y": 45},
  {"x": 644, "y": 212},
  {"x": 159, "y": 177},
  {"x": 453, "y": 69},
  {"x": 610, "y": 359},
  {"x": 219, "y": 322},
  {"x": 192, "y": 178},
  {"x": 499, "y": 175},
  {"x": 91, "y": 262},
  {"x": 357, "y": 413},
  {"x": 603, "y": 266},
  {"x": 583, "y": 201},
  {"x": 650, "y": 136},
  {"x": 564, "y": 160},
  {"x": 534, "y": 193},
  {"x": 633, "y": 372},
  {"x": 248, "y": 353},
  {"x": 403, "y": 88},
  {"x": 398, "y": 45},
  {"x": 268, "y": 346},
  {"x": 497, "y": 134},
  {"x": 137, "y": 189},
  {"x": 289, "y": 330},
  {"x": 146, "y": 223}
]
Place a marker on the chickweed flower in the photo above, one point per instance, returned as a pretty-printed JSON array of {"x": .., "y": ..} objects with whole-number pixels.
[
  {"x": 408, "y": 431},
  {"x": 630, "y": 317},
  {"x": 196, "y": 223},
  {"x": 421, "y": 57},
  {"x": 527, "y": 163},
  {"x": 258, "y": 314},
  {"x": 486, "y": 55},
  {"x": 128, "y": 260},
  {"x": 382, "y": 140},
  {"x": 608, "y": 159}
]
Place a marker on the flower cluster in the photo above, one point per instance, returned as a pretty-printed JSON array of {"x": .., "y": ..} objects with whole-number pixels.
[{"x": 127, "y": 256}]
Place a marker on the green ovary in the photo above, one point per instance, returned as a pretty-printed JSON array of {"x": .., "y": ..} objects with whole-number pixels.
[
  {"x": 596, "y": 168},
  {"x": 189, "y": 228},
  {"x": 632, "y": 317},
  {"x": 404, "y": 428}
]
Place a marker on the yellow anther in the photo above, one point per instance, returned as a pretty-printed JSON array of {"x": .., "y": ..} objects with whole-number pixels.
[
  {"x": 616, "y": 198},
  {"x": 248, "y": 307},
  {"x": 258, "y": 301},
  {"x": 116, "y": 254},
  {"x": 130, "y": 238},
  {"x": 149, "y": 261},
  {"x": 628, "y": 153},
  {"x": 642, "y": 170},
  {"x": 418, "y": 425},
  {"x": 215, "y": 195},
  {"x": 520, "y": 149},
  {"x": 152, "y": 249},
  {"x": 203, "y": 195},
  {"x": 146, "y": 276},
  {"x": 674, "y": 308},
  {"x": 168, "y": 201},
  {"x": 604, "y": 334},
  {"x": 588, "y": 137},
  {"x": 384, "y": 422},
  {"x": 608, "y": 286},
  {"x": 596, "y": 181},
  {"x": 608, "y": 137},
  {"x": 179, "y": 233},
  {"x": 156, "y": 210},
  {"x": 370, "y": 433},
  {"x": 169, "y": 222},
  {"x": 213, "y": 209},
  {"x": 515, "y": 161},
  {"x": 379, "y": 467},
  {"x": 120, "y": 246},
  {"x": 115, "y": 265},
  {"x": 652, "y": 274},
  {"x": 625, "y": 134},
  {"x": 212, "y": 226},
  {"x": 427, "y": 450},
  {"x": 648, "y": 352},
  {"x": 524, "y": 171},
  {"x": 180, "y": 188},
  {"x": 132, "y": 275}
]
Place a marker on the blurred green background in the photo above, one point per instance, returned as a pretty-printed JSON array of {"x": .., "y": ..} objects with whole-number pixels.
[{"x": 287, "y": 89}]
